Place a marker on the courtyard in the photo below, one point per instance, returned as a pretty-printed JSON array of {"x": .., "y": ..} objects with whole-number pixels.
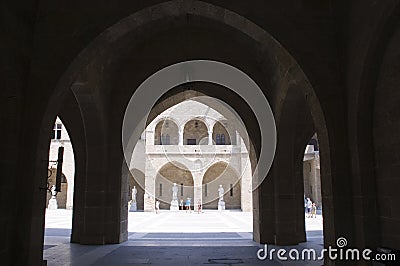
[{"x": 171, "y": 238}]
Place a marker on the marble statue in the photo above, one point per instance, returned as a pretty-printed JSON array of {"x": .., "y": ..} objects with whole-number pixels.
[
  {"x": 175, "y": 192},
  {"x": 221, "y": 202},
  {"x": 134, "y": 192},
  {"x": 221, "y": 193},
  {"x": 133, "y": 206},
  {"x": 53, "y": 200},
  {"x": 53, "y": 191},
  {"x": 174, "y": 202}
]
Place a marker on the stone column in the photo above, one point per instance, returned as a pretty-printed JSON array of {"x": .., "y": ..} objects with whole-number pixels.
[
  {"x": 150, "y": 190},
  {"x": 210, "y": 140},
  {"x": 197, "y": 176},
  {"x": 180, "y": 142},
  {"x": 149, "y": 137},
  {"x": 246, "y": 184}
]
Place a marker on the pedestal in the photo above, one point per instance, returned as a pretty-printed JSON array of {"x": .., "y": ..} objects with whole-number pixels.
[
  {"x": 133, "y": 207},
  {"x": 221, "y": 205},
  {"x": 174, "y": 205},
  {"x": 52, "y": 204}
]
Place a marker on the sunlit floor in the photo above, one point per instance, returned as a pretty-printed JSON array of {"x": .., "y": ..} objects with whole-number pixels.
[{"x": 171, "y": 238}]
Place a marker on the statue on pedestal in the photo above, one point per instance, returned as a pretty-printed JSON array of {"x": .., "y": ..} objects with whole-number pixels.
[
  {"x": 221, "y": 202},
  {"x": 221, "y": 193},
  {"x": 53, "y": 201},
  {"x": 175, "y": 192},
  {"x": 174, "y": 202},
  {"x": 133, "y": 207},
  {"x": 134, "y": 192}
]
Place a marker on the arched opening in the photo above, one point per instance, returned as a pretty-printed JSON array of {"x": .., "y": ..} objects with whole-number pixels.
[
  {"x": 311, "y": 173},
  {"x": 170, "y": 174},
  {"x": 195, "y": 133},
  {"x": 136, "y": 178},
  {"x": 221, "y": 136},
  {"x": 59, "y": 205},
  {"x": 312, "y": 191},
  {"x": 118, "y": 234},
  {"x": 222, "y": 175},
  {"x": 166, "y": 133}
]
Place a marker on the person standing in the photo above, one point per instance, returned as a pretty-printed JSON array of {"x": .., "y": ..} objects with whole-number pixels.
[
  {"x": 181, "y": 204},
  {"x": 157, "y": 206},
  {"x": 188, "y": 205},
  {"x": 314, "y": 210},
  {"x": 309, "y": 205},
  {"x": 199, "y": 206}
]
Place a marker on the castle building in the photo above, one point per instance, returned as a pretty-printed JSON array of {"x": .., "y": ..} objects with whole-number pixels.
[
  {"x": 192, "y": 145},
  {"x": 197, "y": 148}
]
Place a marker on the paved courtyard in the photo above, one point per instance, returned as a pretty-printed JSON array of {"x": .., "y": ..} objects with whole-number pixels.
[{"x": 171, "y": 238}]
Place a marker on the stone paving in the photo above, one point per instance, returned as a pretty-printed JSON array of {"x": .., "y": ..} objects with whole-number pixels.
[{"x": 172, "y": 238}]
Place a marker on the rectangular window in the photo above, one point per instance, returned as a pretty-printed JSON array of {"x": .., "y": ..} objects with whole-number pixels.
[
  {"x": 231, "y": 190},
  {"x": 160, "y": 190},
  {"x": 57, "y": 131},
  {"x": 58, "y": 134},
  {"x": 165, "y": 139},
  {"x": 191, "y": 141},
  {"x": 222, "y": 139},
  {"x": 181, "y": 189}
]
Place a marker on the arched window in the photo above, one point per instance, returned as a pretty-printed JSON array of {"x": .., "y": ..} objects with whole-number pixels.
[
  {"x": 166, "y": 133},
  {"x": 195, "y": 133},
  {"x": 221, "y": 135}
]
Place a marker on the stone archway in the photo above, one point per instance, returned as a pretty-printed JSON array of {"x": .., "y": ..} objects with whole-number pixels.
[
  {"x": 221, "y": 136},
  {"x": 195, "y": 133},
  {"x": 218, "y": 174},
  {"x": 170, "y": 173},
  {"x": 257, "y": 35},
  {"x": 166, "y": 132}
]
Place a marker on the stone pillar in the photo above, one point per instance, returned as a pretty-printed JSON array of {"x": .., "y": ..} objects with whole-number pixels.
[
  {"x": 210, "y": 140},
  {"x": 246, "y": 184},
  {"x": 149, "y": 137},
  {"x": 197, "y": 176},
  {"x": 180, "y": 142},
  {"x": 315, "y": 179},
  {"x": 149, "y": 188}
]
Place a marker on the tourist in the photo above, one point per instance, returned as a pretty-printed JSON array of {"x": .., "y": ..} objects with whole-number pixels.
[
  {"x": 157, "y": 206},
  {"x": 181, "y": 204},
  {"x": 188, "y": 205},
  {"x": 309, "y": 205},
  {"x": 199, "y": 206},
  {"x": 314, "y": 210}
]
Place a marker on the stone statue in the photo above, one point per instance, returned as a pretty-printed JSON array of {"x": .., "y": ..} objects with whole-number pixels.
[
  {"x": 134, "y": 192},
  {"x": 221, "y": 202},
  {"x": 221, "y": 193},
  {"x": 175, "y": 192},
  {"x": 174, "y": 202},
  {"x": 53, "y": 191},
  {"x": 53, "y": 200}
]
